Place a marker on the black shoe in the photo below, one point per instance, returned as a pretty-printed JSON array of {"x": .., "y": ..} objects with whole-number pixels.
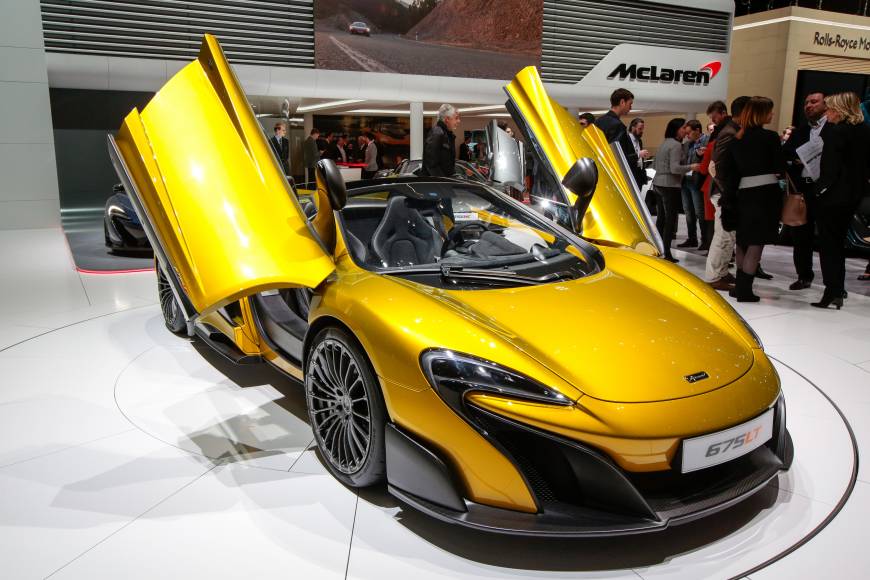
[
  {"x": 688, "y": 243},
  {"x": 744, "y": 287},
  {"x": 704, "y": 247},
  {"x": 800, "y": 284},
  {"x": 759, "y": 273},
  {"x": 671, "y": 259},
  {"x": 827, "y": 300}
]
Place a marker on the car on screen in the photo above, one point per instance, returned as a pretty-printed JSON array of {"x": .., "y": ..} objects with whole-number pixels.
[
  {"x": 490, "y": 367},
  {"x": 359, "y": 28}
]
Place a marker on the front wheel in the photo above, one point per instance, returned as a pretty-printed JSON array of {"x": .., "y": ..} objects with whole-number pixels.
[
  {"x": 346, "y": 409},
  {"x": 172, "y": 315}
]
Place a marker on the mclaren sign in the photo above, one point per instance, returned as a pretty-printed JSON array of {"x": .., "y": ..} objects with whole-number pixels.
[{"x": 655, "y": 74}]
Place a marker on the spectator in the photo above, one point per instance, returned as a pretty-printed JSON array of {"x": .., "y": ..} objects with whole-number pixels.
[
  {"x": 803, "y": 236},
  {"x": 692, "y": 197},
  {"x": 621, "y": 101},
  {"x": 281, "y": 146},
  {"x": 310, "y": 153},
  {"x": 586, "y": 119},
  {"x": 371, "y": 156},
  {"x": 439, "y": 151},
  {"x": 722, "y": 243},
  {"x": 324, "y": 142},
  {"x": 635, "y": 134},
  {"x": 841, "y": 185},
  {"x": 751, "y": 198},
  {"x": 465, "y": 149},
  {"x": 670, "y": 169},
  {"x": 335, "y": 150},
  {"x": 350, "y": 148}
]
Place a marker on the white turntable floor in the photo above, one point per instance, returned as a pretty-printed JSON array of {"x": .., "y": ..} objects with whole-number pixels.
[{"x": 128, "y": 452}]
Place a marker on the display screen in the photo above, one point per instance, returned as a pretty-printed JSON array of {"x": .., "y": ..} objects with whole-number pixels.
[{"x": 456, "y": 38}]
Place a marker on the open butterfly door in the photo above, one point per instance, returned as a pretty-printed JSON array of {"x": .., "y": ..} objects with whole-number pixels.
[
  {"x": 616, "y": 215},
  {"x": 216, "y": 206}
]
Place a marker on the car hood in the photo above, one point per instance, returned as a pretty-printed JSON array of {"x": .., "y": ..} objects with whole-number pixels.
[{"x": 614, "y": 337}]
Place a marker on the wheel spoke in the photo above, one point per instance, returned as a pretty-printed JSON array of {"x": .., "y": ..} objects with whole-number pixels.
[{"x": 339, "y": 406}]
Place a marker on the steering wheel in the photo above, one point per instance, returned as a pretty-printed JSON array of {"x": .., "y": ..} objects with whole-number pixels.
[{"x": 456, "y": 236}]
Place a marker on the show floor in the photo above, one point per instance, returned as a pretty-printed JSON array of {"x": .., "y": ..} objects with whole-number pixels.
[{"x": 128, "y": 452}]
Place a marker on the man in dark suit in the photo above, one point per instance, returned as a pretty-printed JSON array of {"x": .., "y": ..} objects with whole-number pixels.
[
  {"x": 621, "y": 101},
  {"x": 802, "y": 236},
  {"x": 281, "y": 146}
]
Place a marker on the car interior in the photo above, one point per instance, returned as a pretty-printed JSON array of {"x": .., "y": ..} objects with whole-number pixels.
[{"x": 411, "y": 227}]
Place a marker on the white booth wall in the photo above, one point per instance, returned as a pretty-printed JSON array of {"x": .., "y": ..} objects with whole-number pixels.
[{"x": 28, "y": 174}]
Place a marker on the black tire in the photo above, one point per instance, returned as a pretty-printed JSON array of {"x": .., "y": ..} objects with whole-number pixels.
[
  {"x": 172, "y": 315},
  {"x": 346, "y": 409}
]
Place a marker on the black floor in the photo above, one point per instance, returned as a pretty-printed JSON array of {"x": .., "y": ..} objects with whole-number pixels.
[{"x": 84, "y": 232}]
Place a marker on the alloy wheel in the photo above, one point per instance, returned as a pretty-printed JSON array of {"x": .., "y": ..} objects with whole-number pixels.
[{"x": 339, "y": 406}]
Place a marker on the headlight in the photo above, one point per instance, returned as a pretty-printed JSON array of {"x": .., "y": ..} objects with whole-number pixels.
[{"x": 453, "y": 374}]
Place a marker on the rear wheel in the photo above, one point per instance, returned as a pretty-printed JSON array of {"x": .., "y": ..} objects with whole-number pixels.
[
  {"x": 172, "y": 315},
  {"x": 346, "y": 409}
]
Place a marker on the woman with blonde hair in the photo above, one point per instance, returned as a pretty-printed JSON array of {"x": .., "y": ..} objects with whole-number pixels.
[
  {"x": 843, "y": 181},
  {"x": 752, "y": 199}
]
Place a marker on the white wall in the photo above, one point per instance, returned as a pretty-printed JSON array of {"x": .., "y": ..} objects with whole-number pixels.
[{"x": 28, "y": 174}]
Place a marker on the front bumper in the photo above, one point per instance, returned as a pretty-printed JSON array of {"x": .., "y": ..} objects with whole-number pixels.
[{"x": 578, "y": 490}]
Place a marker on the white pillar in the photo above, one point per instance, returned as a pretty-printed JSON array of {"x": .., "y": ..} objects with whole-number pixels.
[{"x": 416, "y": 130}]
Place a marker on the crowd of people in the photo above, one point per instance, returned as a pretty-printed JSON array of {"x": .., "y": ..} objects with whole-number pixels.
[
  {"x": 739, "y": 182},
  {"x": 339, "y": 147},
  {"x": 735, "y": 183}
]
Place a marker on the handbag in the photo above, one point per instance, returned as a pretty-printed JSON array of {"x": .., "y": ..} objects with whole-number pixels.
[{"x": 794, "y": 205}]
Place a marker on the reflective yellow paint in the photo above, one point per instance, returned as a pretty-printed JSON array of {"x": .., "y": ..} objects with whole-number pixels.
[
  {"x": 645, "y": 436},
  {"x": 217, "y": 197},
  {"x": 618, "y": 343},
  {"x": 614, "y": 216}
]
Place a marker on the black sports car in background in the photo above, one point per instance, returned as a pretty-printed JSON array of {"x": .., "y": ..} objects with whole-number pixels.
[{"x": 121, "y": 226}]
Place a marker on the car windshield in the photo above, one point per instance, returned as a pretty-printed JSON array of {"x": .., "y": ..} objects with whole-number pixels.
[
  {"x": 463, "y": 170},
  {"x": 451, "y": 233}
]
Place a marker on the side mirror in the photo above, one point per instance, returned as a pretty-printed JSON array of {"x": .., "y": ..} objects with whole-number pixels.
[
  {"x": 581, "y": 180},
  {"x": 331, "y": 183},
  {"x": 506, "y": 158}
]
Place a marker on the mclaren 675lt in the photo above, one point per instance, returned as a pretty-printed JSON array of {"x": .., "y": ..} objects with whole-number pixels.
[{"x": 515, "y": 369}]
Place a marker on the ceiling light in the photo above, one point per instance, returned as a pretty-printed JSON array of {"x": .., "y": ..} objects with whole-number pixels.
[
  {"x": 481, "y": 108},
  {"x": 328, "y": 105}
]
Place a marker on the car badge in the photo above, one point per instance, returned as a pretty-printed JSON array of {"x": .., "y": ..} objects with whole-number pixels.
[{"x": 694, "y": 378}]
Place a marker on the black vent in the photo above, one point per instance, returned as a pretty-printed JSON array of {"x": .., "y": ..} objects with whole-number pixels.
[
  {"x": 265, "y": 32},
  {"x": 578, "y": 34}
]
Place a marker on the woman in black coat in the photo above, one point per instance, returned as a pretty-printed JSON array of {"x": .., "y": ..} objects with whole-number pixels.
[
  {"x": 752, "y": 200},
  {"x": 845, "y": 169}
]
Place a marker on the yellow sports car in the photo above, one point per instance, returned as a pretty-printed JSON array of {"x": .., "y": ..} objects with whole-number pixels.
[{"x": 494, "y": 368}]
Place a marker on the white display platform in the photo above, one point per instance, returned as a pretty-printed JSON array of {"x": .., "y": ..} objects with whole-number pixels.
[{"x": 128, "y": 452}]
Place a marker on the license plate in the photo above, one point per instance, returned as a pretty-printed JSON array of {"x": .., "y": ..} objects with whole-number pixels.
[{"x": 716, "y": 448}]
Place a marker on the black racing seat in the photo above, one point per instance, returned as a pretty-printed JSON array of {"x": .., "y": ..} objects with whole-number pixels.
[{"x": 404, "y": 237}]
